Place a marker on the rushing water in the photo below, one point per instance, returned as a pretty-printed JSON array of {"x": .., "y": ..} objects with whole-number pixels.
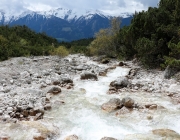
[{"x": 81, "y": 113}]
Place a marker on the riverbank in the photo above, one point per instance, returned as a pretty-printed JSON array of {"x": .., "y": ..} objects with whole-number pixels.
[{"x": 53, "y": 98}]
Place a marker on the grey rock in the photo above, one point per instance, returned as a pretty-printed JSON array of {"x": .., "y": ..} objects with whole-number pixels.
[
  {"x": 54, "y": 90},
  {"x": 112, "y": 104},
  {"x": 169, "y": 71},
  {"x": 88, "y": 75},
  {"x": 120, "y": 83},
  {"x": 65, "y": 80},
  {"x": 10, "y": 109},
  {"x": 128, "y": 102},
  {"x": 1, "y": 112}
]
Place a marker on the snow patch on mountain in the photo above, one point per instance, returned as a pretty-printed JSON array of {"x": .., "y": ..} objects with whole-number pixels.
[{"x": 62, "y": 13}]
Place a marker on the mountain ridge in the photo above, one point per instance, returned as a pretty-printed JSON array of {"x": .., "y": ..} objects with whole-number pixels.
[{"x": 63, "y": 24}]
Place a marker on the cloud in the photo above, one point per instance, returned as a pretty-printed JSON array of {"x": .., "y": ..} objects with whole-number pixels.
[{"x": 111, "y": 6}]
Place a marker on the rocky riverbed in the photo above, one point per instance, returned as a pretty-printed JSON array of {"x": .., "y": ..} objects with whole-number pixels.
[{"x": 82, "y": 98}]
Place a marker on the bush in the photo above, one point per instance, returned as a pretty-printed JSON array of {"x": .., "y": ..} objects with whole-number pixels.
[{"x": 60, "y": 51}]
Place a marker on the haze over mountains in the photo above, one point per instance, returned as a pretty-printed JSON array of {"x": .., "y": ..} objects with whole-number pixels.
[{"x": 63, "y": 24}]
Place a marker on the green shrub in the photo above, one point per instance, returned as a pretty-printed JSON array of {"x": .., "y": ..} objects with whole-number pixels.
[{"x": 60, "y": 51}]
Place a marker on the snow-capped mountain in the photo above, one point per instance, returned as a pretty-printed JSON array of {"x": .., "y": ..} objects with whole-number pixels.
[{"x": 64, "y": 24}]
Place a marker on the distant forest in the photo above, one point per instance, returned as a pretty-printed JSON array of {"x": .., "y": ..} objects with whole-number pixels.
[{"x": 153, "y": 37}]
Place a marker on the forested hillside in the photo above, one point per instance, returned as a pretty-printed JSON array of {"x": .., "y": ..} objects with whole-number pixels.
[
  {"x": 21, "y": 41},
  {"x": 153, "y": 37}
]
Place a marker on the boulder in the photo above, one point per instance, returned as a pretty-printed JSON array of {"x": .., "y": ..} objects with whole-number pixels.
[
  {"x": 121, "y": 63},
  {"x": 66, "y": 80},
  {"x": 112, "y": 104},
  {"x": 88, "y": 75},
  {"x": 105, "y": 61},
  {"x": 128, "y": 102},
  {"x": 54, "y": 90},
  {"x": 55, "y": 82},
  {"x": 120, "y": 83},
  {"x": 108, "y": 138}
]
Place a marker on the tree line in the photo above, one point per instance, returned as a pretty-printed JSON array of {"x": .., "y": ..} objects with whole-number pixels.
[
  {"x": 21, "y": 41},
  {"x": 153, "y": 37}
]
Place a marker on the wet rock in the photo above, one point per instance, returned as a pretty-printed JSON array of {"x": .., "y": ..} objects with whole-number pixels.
[
  {"x": 122, "y": 111},
  {"x": 102, "y": 73},
  {"x": 128, "y": 102},
  {"x": 39, "y": 138},
  {"x": 151, "y": 106},
  {"x": 68, "y": 86},
  {"x": 88, "y": 75},
  {"x": 56, "y": 82},
  {"x": 54, "y": 90},
  {"x": 105, "y": 61},
  {"x": 112, "y": 104},
  {"x": 25, "y": 113},
  {"x": 38, "y": 116},
  {"x": 108, "y": 138},
  {"x": 4, "y": 138},
  {"x": 167, "y": 133},
  {"x": 32, "y": 112},
  {"x": 120, "y": 83},
  {"x": 121, "y": 64},
  {"x": 133, "y": 72},
  {"x": 110, "y": 68},
  {"x": 47, "y": 107},
  {"x": 71, "y": 137}
]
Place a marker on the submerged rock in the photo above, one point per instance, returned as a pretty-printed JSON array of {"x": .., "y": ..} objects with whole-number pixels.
[
  {"x": 167, "y": 133},
  {"x": 108, "y": 138}
]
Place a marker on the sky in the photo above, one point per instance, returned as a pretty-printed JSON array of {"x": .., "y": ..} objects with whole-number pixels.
[{"x": 111, "y": 7}]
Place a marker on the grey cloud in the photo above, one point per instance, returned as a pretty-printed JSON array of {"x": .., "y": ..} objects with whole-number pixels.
[{"x": 113, "y": 6}]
